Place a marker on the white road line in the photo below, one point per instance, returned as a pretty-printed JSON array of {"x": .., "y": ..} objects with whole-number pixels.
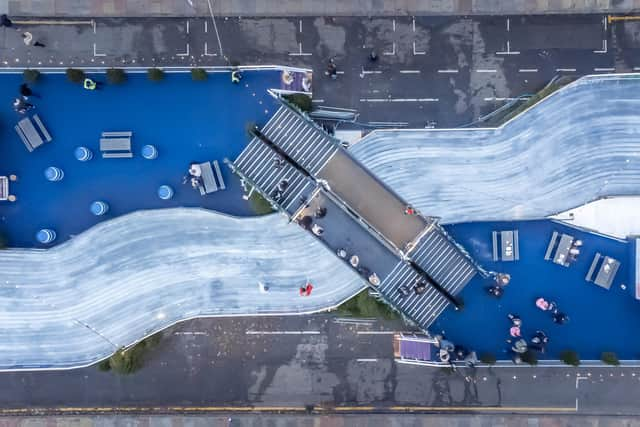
[
  {"x": 393, "y": 50},
  {"x": 300, "y": 52},
  {"x": 604, "y": 47},
  {"x": 508, "y": 25},
  {"x": 604, "y": 21},
  {"x": 566, "y": 70},
  {"x": 184, "y": 54},
  {"x": 365, "y": 72},
  {"x": 486, "y": 71},
  {"x": 206, "y": 26},
  {"x": 414, "y": 24},
  {"x": 409, "y": 71},
  {"x": 508, "y": 51},
  {"x": 375, "y": 332},
  {"x": 187, "y": 26},
  {"x": 399, "y": 99},
  {"x": 282, "y": 332},
  {"x": 447, "y": 71},
  {"x": 190, "y": 333},
  {"x": 416, "y": 52},
  {"x": 636, "y": 68},
  {"x": 95, "y": 53},
  {"x": 94, "y": 26},
  {"x": 528, "y": 70},
  {"x": 301, "y": 25},
  {"x": 366, "y": 360},
  {"x": 318, "y": 101},
  {"x": 604, "y": 69},
  {"x": 206, "y": 50},
  {"x": 394, "y": 24},
  {"x": 500, "y": 99}
]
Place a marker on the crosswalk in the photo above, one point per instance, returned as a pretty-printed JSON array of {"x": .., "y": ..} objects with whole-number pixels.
[
  {"x": 275, "y": 177},
  {"x": 307, "y": 145}
]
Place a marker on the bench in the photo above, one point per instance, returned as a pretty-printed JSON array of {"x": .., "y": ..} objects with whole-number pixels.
[
  {"x": 552, "y": 245},
  {"x": 4, "y": 188},
  {"x": 23, "y": 138},
  {"x": 30, "y": 133},
  {"x": 208, "y": 181},
  {"x": 116, "y": 134},
  {"x": 115, "y": 144},
  {"x": 43, "y": 130},
  {"x": 122, "y": 155}
]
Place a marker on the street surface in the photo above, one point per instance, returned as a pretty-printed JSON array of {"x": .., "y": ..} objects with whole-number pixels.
[
  {"x": 213, "y": 365},
  {"x": 447, "y": 70}
]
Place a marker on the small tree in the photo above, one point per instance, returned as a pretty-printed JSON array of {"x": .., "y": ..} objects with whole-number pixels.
[
  {"x": 30, "y": 76},
  {"x": 570, "y": 357},
  {"x": 198, "y": 74},
  {"x": 104, "y": 365},
  {"x": 488, "y": 358},
  {"x": 610, "y": 358},
  {"x": 74, "y": 75},
  {"x": 116, "y": 75},
  {"x": 529, "y": 357},
  {"x": 300, "y": 100},
  {"x": 155, "y": 74}
]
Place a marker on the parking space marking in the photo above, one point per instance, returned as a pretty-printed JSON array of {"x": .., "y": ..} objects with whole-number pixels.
[
  {"x": 366, "y": 360},
  {"x": 300, "y": 52},
  {"x": 604, "y": 69},
  {"x": 206, "y": 51},
  {"x": 282, "y": 332},
  {"x": 604, "y": 37},
  {"x": 566, "y": 70},
  {"x": 416, "y": 51},
  {"x": 528, "y": 70},
  {"x": 393, "y": 50},
  {"x": 486, "y": 71},
  {"x": 375, "y": 332},
  {"x": 500, "y": 99},
  {"x": 184, "y": 53},
  {"x": 448, "y": 71},
  {"x": 399, "y": 99},
  {"x": 95, "y": 52},
  {"x": 187, "y": 26},
  {"x": 409, "y": 71},
  {"x": 508, "y": 51}
]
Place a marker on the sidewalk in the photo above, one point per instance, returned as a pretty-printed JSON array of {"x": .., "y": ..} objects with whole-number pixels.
[{"x": 155, "y": 8}]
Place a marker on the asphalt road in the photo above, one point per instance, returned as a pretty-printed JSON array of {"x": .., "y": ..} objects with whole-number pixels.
[
  {"x": 296, "y": 361},
  {"x": 448, "y": 70}
]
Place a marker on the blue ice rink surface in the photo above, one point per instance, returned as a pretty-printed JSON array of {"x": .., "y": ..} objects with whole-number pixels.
[
  {"x": 187, "y": 121},
  {"x": 600, "y": 320}
]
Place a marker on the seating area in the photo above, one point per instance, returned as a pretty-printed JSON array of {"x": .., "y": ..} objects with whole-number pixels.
[
  {"x": 207, "y": 177},
  {"x": 563, "y": 249},
  {"x": 607, "y": 268},
  {"x": 506, "y": 245},
  {"x": 32, "y": 136},
  {"x": 4, "y": 188},
  {"x": 116, "y": 145}
]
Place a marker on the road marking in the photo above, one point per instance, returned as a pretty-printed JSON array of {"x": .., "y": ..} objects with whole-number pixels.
[
  {"x": 409, "y": 71},
  {"x": 185, "y": 53},
  {"x": 282, "y": 332},
  {"x": 604, "y": 47},
  {"x": 318, "y": 101},
  {"x": 500, "y": 99},
  {"x": 50, "y": 22},
  {"x": 604, "y": 69},
  {"x": 301, "y": 25},
  {"x": 393, "y": 50},
  {"x": 566, "y": 70},
  {"x": 206, "y": 26},
  {"x": 94, "y": 26},
  {"x": 300, "y": 52},
  {"x": 187, "y": 26},
  {"x": 366, "y": 360},
  {"x": 375, "y": 332},
  {"x": 447, "y": 71},
  {"x": 486, "y": 71},
  {"x": 508, "y": 25},
  {"x": 528, "y": 70},
  {"x": 394, "y": 24},
  {"x": 399, "y": 99},
  {"x": 416, "y": 52},
  {"x": 190, "y": 333},
  {"x": 206, "y": 50},
  {"x": 365, "y": 72},
  {"x": 414, "y": 24},
  {"x": 508, "y": 51},
  {"x": 95, "y": 53}
]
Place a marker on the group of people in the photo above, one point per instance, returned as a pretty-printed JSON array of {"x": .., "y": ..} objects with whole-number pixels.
[
  {"x": 519, "y": 345},
  {"x": 21, "y": 104},
  {"x": 497, "y": 289},
  {"x": 550, "y": 306}
]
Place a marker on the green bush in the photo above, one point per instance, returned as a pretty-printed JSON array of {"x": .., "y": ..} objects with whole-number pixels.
[
  {"x": 260, "y": 205},
  {"x": 116, "y": 75},
  {"x": 198, "y": 74},
  {"x": 364, "y": 305},
  {"x": 529, "y": 357},
  {"x": 610, "y": 358},
  {"x": 570, "y": 357},
  {"x": 300, "y": 100},
  {"x": 74, "y": 75},
  {"x": 488, "y": 358},
  {"x": 128, "y": 361},
  {"x": 31, "y": 76},
  {"x": 155, "y": 74}
]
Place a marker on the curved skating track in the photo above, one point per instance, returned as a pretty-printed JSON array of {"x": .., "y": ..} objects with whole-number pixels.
[{"x": 123, "y": 279}]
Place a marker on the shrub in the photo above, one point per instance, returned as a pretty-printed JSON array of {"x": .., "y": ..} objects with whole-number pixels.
[
  {"x": 128, "y": 361},
  {"x": 198, "y": 74},
  {"x": 104, "y": 366},
  {"x": 610, "y": 358},
  {"x": 529, "y": 357},
  {"x": 570, "y": 357},
  {"x": 488, "y": 358},
  {"x": 31, "y": 76},
  {"x": 260, "y": 205},
  {"x": 364, "y": 305},
  {"x": 116, "y": 75},
  {"x": 74, "y": 75},
  {"x": 300, "y": 100},
  {"x": 155, "y": 74}
]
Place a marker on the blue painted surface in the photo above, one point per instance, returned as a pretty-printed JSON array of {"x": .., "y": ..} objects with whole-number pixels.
[
  {"x": 600, "y": 320},
  {"x": 185, "y": 120}
]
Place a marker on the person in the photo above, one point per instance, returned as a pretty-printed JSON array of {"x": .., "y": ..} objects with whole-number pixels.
[
  {"x": 514, "y": 331},
  {"x": 409, "y": 211},
  {"x": 496, "y": 291},
  {"x": 21, "y": 105},
  {"x": 542, "y": 304},
  {"x": 540, "y": 341},
  {"x": 26, "y": 92},
  {"x": 373, "y": 56},
  {"x": 519, "y": 346},
  {"x": 90, "y": 84},
  {"x": 5, "y": 21},
  {"x": 515, "y": 320},
  {"x": 560, "y": 318},
  {"x": 332, "y": 70},
  {"x": 236, "y": 76},
  {"x": 27, "y": 38}
]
